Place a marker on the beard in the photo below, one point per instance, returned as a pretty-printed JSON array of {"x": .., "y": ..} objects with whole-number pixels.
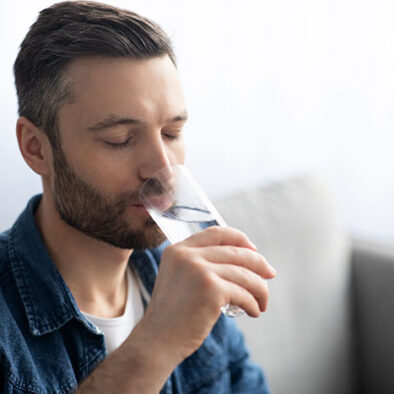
[{"x": 85, "y": 208}]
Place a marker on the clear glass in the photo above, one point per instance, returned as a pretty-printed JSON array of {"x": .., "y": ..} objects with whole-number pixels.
[{"x": 180, "y": 208}]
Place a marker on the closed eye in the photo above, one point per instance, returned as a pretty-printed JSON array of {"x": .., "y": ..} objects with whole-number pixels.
[
  {"x": 118, "y": 145},
  {"x": 170, "y": 137}
]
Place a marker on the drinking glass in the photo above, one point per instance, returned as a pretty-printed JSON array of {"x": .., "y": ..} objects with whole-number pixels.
[{"x": 179, "y": 206}]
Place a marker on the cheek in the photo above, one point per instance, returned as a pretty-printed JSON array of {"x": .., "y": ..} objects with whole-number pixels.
[
  {"x": 114, "y": 177},
  {"x": 110, "y": 174}
]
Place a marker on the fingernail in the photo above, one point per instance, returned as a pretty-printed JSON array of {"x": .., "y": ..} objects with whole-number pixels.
[{"x": 272, "y": 269}]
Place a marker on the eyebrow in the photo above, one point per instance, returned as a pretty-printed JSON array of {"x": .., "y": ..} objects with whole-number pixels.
[
  {"x": 114, "y": 120},
  {"x": 179, "y": 118}
]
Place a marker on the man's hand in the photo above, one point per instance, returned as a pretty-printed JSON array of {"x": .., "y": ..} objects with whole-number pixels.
[{"x": 198, "y": 276}]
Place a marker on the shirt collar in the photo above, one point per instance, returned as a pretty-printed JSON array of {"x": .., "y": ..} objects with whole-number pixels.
[
  {"x": 46, "y": 298},
  {"x": 147, "y": 264}
]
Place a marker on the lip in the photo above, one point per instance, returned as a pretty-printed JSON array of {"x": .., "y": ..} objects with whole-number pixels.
[{"x": 161, "y": 202}]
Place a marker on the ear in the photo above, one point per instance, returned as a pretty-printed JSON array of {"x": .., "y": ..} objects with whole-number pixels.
[{"x": 34, "y": 146}]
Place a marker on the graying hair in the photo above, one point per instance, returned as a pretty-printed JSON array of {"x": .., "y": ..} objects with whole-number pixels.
[{"x": 71, "y": 30}]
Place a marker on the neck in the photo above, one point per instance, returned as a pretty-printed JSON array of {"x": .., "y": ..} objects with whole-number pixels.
[{"x": 94, "y": 271}]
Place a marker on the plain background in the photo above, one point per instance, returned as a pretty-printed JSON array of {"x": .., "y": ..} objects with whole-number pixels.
[{"x": 274, "y": 89}]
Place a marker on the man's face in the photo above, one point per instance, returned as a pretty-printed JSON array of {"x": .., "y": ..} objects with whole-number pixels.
[{"x": 124, "y": 123}]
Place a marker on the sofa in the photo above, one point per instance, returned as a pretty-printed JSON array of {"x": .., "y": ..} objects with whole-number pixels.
[{"x": 330, "y": 323}]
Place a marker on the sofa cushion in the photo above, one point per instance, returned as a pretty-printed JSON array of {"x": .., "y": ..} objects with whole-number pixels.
[{"x": 304, "y": 340}]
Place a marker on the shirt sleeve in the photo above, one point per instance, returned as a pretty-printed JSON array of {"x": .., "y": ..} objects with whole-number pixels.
[{"x": 246, "y": 376}]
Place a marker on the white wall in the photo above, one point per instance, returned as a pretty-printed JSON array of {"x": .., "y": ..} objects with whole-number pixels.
[{"x": 274, "y": 89}]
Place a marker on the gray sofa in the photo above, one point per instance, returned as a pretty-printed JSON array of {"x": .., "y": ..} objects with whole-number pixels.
[{"x": 330, "y": 324}]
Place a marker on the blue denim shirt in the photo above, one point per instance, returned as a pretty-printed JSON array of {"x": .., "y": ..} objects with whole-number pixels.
[{"x": 48, "y": 346}]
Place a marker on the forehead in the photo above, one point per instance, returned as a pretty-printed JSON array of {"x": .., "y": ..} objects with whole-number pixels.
[{"x": 122, "y": 84}]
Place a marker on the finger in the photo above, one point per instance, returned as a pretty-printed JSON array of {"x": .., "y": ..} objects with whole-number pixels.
[
  {"x": 239, "y": 296},
  {"x": 246, "y": 279},
  {"x": 244, "y": 257},
  {"x": 216, "y": 235}
]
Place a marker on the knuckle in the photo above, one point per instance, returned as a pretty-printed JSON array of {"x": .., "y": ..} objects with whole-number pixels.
[
  {"x": 245, "y": 273},
  {"x": 214, "y": 231},
  {"x": 245, "y": 293},
  {"x": 235, "y": 251},
  {"x": 183, "y": 254},
  {"x": 208, "y": 281},
  {"x": 210, "y": 289},
  {"x": 177, "y": 255}
]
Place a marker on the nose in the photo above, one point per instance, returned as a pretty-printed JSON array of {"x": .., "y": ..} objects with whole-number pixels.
[{"x": 155, "y": 156}]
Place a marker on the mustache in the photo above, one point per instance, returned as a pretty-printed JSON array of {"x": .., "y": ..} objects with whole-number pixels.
[
  {"x": 152, "y": 188},
  {"x": 156, "y": 188}
]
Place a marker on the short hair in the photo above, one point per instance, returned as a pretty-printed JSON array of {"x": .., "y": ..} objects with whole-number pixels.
[{"x": 70, "y": 30}]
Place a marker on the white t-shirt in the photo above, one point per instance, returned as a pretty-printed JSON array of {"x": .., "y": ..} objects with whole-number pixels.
[{"x": 117, "y": 329}]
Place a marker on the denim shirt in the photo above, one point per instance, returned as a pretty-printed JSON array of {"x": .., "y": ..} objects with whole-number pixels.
[{"x": 48, "y": 346}]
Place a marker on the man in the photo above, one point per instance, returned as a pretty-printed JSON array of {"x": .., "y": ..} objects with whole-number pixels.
[{"x": 84, "y": 303}]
